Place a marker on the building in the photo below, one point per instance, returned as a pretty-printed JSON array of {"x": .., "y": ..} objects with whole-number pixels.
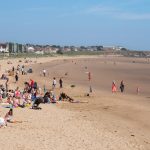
[
  {"x": 30, "y": 49},
  {"x": 16, "y": 48},
  {"x": 4, "y": 48}
]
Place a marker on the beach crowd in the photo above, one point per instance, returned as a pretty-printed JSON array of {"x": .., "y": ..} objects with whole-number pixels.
[{"x": 30, "y": 96}]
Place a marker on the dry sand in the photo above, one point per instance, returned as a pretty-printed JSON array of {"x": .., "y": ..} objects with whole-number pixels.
[{"x": 107, "y": 122}]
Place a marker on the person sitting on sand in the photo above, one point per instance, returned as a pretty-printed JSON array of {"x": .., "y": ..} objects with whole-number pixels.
[
  {"x": 35, "y": 86},
  {"x": 47, "y": 97},
  {"x": 31, "y": 83},
  {"x": 27, "y": 87},
  {"x": 8, "y": 117},
  {"x": 10, "y": 101},
  {"x": 1, "y": 93},
  {"x": 16, "y": 102},
  {"x": 52, "y": 97},
  {"x": 63, "y": 96},
  {"x": 2, "y": 122},
  {"x": 3, "y": 77},
  {"x": 33, "y": 94},
  {"x": 17, "y": 93},
  {"x": 39, "y": 91},
  {"x": 37, "y": 102},
  {"x": 10, "y": 93},
  {"x": 26, "y": 99}
]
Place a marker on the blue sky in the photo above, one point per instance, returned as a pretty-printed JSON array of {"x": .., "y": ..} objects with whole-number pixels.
[{"x": 77, "y": 22}]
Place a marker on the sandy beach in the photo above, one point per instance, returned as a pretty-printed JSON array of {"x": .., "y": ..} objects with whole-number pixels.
[{"x": 101, "y": 121}]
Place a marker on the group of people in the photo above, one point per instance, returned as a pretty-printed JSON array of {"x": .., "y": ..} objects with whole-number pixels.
[
  {"x": 44, "y": 72},
  {"x": 30, "y": 96},
  {"x": 122, "y": 87},
  {"x": 55, "y": 82},
  {"x": 18, "y": 70},
  {"x": 114, "y": 87}
]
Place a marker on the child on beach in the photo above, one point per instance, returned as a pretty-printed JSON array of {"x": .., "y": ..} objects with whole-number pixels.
[{"x": 8, "y": 117}]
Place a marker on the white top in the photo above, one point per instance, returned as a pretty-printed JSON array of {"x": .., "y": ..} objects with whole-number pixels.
[
  {"x": 44, "y": 71},
  {"x": 54, "y": 82},
  {"x": 1, "y": 92},
  {"x": 2, "y": 121}
]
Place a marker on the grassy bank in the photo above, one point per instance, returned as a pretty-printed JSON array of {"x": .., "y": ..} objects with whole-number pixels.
[{"x": 70, "y": 53}]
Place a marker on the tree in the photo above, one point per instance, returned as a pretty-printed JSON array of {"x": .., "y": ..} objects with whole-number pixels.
[{"x": 60, "y": 52}]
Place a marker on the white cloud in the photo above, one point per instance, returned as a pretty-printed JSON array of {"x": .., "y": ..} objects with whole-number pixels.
[
  {"x": 102, "y": 9},
  {"x": 116, "y": 12},
  {"x": 134, "y": 16}
]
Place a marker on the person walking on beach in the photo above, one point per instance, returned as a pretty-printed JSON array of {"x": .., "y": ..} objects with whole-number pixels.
[
  {"x": 16, "y": 77},
  {"x": 60, "y": 83},
  {"x": 22, "y": 71},
  {"x": 122, "y": 86},
  {"x": 44, "y": 72},
  {"x": 89, "y": 76},
  {"x": 13, "y": 68},
  {"x": 114, "y": 88},
  {"x": 54, "y": 83},
  {"x": 137, "y": 90},
  {"x": 18, "y": 68}
]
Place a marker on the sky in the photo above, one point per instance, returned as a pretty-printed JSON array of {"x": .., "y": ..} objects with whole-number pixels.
[{"x": 77, "y": 22}]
